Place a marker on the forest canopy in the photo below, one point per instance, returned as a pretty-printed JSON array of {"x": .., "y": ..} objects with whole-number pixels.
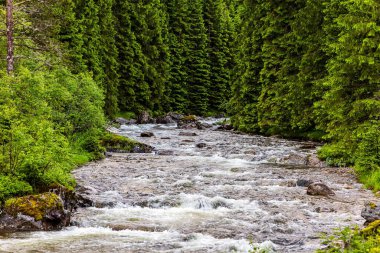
[{"x": 297, "y": 68}]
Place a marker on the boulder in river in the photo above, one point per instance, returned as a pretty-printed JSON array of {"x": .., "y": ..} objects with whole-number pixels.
[
  {"x": 145, "y": 118},
  {"x": 187, "y": 134},
  {"x": 371, "y": 212},
  {"x": 201, "y": 145},
  {"x": 33, "y": 213},
  {"x": 175, "y": 116},
  {"x": 226, "y": 127},
  {"x": 165, "y": 120},
  {"x": 123, "y": 121},
  {"x": 147, "y": 134},
  {"x": 319, "y": 189},
  {"x": 188, "y": 122},
  {"x": 304, "y": 182}
]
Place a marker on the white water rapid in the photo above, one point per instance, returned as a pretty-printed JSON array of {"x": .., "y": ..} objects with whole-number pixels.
[{"x": 236, "y": 193}]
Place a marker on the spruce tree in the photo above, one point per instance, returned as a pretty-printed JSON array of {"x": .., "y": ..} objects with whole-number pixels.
[
  {"x": 305, "y": 89},
  {"x": 109, "y": 55},
  {"x": 72, "y": 38},
  {"x": 246, "y": 86},
  {"x": 197, "y": 61},
  {"x": 148, "y": 24},
  {"x": 352, "y": 99},
  {"x": 219, "y": 32},
  {"x": 87, "y": 15},
  {"x": 178, "y": 27},
  {"x": 134, "y": 92},
  {"x": 279, "y": 55}
]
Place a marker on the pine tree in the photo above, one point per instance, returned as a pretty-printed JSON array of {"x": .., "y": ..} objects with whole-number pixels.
[
  {"x": 197, "y": 61},
  {"x": 134, "y": 92},
  {"x": 278, "y": 65},
  {"x": 109, "y": 55},
  {"x": 87, "y": 15},
  {"x": 72, "y": 38},
  {"x": 352, "y": 100},
  {"x": 219, "y": 31},
  {"x": 148, "y": 24},
  {"x": 246, "y": 87},
  {"x": 305, "y": 88},
  {"x": 178, "y": 27}
]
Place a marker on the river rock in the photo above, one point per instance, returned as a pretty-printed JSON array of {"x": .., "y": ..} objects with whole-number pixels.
[
  {"x": 226, "y": 127},
  {"x": 201, "y": 145},
  {"x": 319, "y": 189},
  {"x": 145, "y": 118},
  {"x": 188, "y": 122},
  {"x": 142, "y": 148},
  {"x": 147, "y": 134},
  {"x": 187, "y": 134},
  {"x": 33, "y": 213},
  {"x": 121, "y": 121},
  {"x": 165, "y": 120},
  {"x": 175, "y": 116},
  {"x": 313, "y": 161},
  {"x": 304, "y": 182},
  {"x": 202, "y": 126},
  {"x": 165, "y": 152},
  {"x": 295, "y": 158},
  {"x": 371, "y": 212},
  {"x": 71, "y": 199}
]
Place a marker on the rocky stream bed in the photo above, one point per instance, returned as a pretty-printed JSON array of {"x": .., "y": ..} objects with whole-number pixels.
[{"x": 203, "y": 191}]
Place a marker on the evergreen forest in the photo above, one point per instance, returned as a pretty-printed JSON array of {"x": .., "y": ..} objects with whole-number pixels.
[{"x": 303, "y": 69}]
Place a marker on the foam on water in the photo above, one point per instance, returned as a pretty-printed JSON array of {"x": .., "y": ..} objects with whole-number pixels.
[{"x": 218, "y": 198}]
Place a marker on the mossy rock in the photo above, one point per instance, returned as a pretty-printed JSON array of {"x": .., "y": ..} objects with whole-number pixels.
[
  {"x": 36, "y": 206},
  {"x": 372, "y": 229},
  {"x": 117, "y": 143},
  {"x": 189, "y": 118}
]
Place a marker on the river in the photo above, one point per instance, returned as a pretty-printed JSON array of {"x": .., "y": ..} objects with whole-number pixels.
[{"x": 232, "y": 193}]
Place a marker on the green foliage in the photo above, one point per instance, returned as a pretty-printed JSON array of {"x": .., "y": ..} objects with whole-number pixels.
[
  {"x": 117, "y": 142},
  {"x": 178, "y": 27},
  {"x": 10, "y": 187},
  {"x": 219, "y": 28},
  {"x": 40, "y": 115},
  {"x": 311, "y": 71},
  {"x": 143, "y": 55},
  {"x": 354, "y": 240},
  {"x": 113, "y": 142},
  {"x": 109, "y": 55},
  {"x": 350, "y": 109}
]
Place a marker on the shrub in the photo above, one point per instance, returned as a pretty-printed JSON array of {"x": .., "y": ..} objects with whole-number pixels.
[{"x": 10, "y": 186}]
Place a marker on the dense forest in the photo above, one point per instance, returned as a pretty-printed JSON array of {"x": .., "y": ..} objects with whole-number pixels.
[{"x": 296, "y": 68}]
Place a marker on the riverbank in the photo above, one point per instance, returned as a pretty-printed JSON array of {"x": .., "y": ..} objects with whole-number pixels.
[{"x": 204, "y": 191}]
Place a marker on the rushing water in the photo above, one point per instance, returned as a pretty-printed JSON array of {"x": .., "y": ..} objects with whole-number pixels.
[{"x": 236, "y": 193}]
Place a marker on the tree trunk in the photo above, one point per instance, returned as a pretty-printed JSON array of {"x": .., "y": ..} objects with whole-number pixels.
[{"x": 10, "y": 46}]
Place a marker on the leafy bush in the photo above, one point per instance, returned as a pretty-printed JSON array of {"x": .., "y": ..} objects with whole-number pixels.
[
  {"x": 354, "y": 240},
  {"x": 10, "y": 186},
  {"x": 49, "y": 122}
]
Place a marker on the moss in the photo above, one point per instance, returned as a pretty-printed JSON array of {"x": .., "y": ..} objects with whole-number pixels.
[
  {"x": 35, "y": 206},
  {"x": 189, "y": 118},
  {"x": 372, "y": 229},
  {"x": 117, "y": 143}
]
